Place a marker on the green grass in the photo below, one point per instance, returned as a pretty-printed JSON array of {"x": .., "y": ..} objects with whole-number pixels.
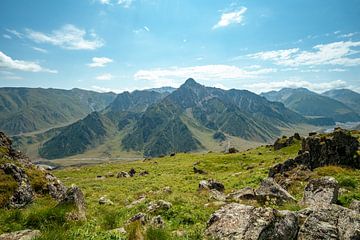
[{"x": 190, "y": 209}]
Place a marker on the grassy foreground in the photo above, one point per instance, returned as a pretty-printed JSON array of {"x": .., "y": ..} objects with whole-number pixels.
[{"x": 190, "y": 209}]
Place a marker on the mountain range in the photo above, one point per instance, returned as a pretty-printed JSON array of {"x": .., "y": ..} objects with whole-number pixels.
[{"x": 157, "y": 122}]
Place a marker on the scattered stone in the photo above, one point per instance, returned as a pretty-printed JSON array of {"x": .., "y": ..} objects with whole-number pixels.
[
  {"x": 132, "y": 172},
  {"x": 216, "y": 195},
  {"x": 246, "y": 193},
  {"x": 137, "y": 201},
  {"x": 321, "y": 191},
  {"x": 355, "y": 205},
  {"x": 157, "y": 222},
  {"x": 105, "y": 201},
  {"x": 199, "y": 171},
  {"x": 122, "y": 174},
  {"x": 211, "y": 184},
  {"x": 158, "y": 205},
  {"x": 24, "y": 194},
  {"x": 75, "y": 197},
  {"x": 21, "y": 235},
  {"x": 99, "y": 177},
  {"x": 271, "y": 192},
  {"x": 167, "y": 190},
  {"x": 143, "y": 173},
  {"x": 237, "y": 221},
  {"x": 143, "y": 218}
]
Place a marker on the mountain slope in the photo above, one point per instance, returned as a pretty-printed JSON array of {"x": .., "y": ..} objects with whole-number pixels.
[
  {"x": 346, "y": 96},
  {"x": 309, "y": 103},
  {"x": 31, "y": 109}
]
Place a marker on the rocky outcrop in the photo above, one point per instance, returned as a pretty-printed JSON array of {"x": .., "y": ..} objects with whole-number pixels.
[
  {"x": 237, "y": 221},
  {"x": 75, "y": 199},
  {"x": 24, "y": 194},
  {"x": 321, "y": 191},
  {"x": 269, "y": 192},
  {"x": 337, "y": 148},
  {"x": 285, "y": 141},
  {"x": 21, "y": 235},
  {"x": 211, "y": 184}
]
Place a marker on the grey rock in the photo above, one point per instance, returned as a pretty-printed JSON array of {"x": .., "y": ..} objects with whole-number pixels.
[
  {"x": 321, "y": 191},
  {"x": 56, "y": 188},
  {"x": 136, "y": 202},
  {"x": 143, "y": 218},
  {"x": 105, "y": 201},
  {"x": 123, "y": 175},
  {"x": 237, "y": 221},
  {"x": 75, "y": 197},
  {"x": 158, "y": 205},
  {"x": 355, "y": 205},
  {"x": 216, "y": 195},
  {"x": 21, "y": 235},
  {"x": 246, "y": 193},
  {"x": 271, "y": 192},
  {"x": 211, "y": 184},
  {"x": 157, "y": 222}
]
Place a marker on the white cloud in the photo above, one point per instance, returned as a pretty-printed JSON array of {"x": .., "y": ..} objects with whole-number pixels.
[
  {"x": 40, "y": 49},
  {"x": 348, "y": 35},
  {"x": 125, "y": 3},
  {"x": 104, "y": 1},
  {"x": 173, "y": 76},
  {"x": 27, "y": 66},
  {"x": 99, "y": 62},
  {"x": 337, "y": 70},
  {"x": 317, "y": 87},
  {"x": 68, "y": 37},
  {"x": 234, "y": 17},
  {"x": 105, "y": 77},
  {"x": 9, "y": 75},
  {"x": 146, "y": 28},
  {"x": 141, "y": 30},
  {"x": 336, "y": 53},
  {"x": 7, "y": 36},
  {"x": 15, "y": 33}
]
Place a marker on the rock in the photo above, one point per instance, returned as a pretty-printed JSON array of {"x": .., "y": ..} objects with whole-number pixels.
[
  {"x": 321, "y": 191},
  {"x": 271, "y": 192},
  {"x": 157, "y": 222},
  {"x": 56, "y": 188},
  {"x": 199, "y": 171},
  {"x": 21, "y": 235},
  {"x": 172, "y": 154},
  {"x": 75, "y": 197},
  {"x": 132, "y": 172},
  {"x": 141, "y": 217},
  {"x": 232, "y": 150},
  {"x": 137, "y": 201},
  {"x": 283, "y": 142},
  {"x": 216, "y": 195},
  {"x": 105, "y": 201},
  {"x": 109, "y": 174},
  {"x": 355, "y": 205},
  {"x": 24, "y": 194},
  {"x": 99, "y": 177},
  {"x": 167, "y": 190},
  {"x": 246, "y": 193},
  {"x": 237, "y": 221},
  {"x": 332, "y": 222},
  {"x": 211, "y": 184},
  {"x": 122, "y": 175},
  {"x": 143, "y": 173},
  {"x": 158, "y": 205}
]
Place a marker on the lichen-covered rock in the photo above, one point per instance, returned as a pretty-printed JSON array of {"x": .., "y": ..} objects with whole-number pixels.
[
  {"x": 21, "y": 235},
  {"x": 216, "y": 195},
  {"x": 158, "y": 205},
  {"x": 122, "y": 174},
  {"x": 157, "y": 222},
  {"x": 143, "y": 218},
  {"x": 321, "y": 191},
  {"x": 56, "y": 188},
  {"x": 271, "y": 192},
  {"x": 74, "y": 197},
  {"x": 355, "y": 205},
  {"x": 237, "y": 221},
  {"x": 24, "y": 194},
  {"x": 331, "y": 222},
  {"x": 105, "y": 201},
  {"x": 211, "y": 184},
  {"x": 246, "y": 193}
]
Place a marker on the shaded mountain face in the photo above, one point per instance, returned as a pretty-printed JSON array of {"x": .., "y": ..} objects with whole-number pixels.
[
  {"x": 30, "y": 109},
  {"x": 346, "y": 96},
  {"x": 310, "y": 103}
]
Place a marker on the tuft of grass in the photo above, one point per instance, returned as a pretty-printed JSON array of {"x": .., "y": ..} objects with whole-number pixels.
[
  {"x": 7, "y": 187},
  {"x": 156, "y": 234}
]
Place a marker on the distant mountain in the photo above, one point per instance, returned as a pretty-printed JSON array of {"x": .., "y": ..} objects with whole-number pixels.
[
  {"x": 312, "y": 104},
  {"x": 346, "y": 96},
  {"x": 30, "y": 109}
]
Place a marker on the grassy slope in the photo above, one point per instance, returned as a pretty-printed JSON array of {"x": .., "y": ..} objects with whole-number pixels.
[{"x": 188, "y": 212}]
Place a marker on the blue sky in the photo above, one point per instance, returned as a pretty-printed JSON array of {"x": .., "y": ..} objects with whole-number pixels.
[{"x": 117, "y": 45}]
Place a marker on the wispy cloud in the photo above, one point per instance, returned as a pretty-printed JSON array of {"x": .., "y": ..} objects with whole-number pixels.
[
  {"x": 141, "y": 30},
  {"x": 233, "y": 17},
  {"x": 99, "y": 62},
  {"x": 104, "y": 1},
  {"x": 9, "y": 75},
  {"x": 105, "y": 77},
  {"x": 173, "y": 76},
  {"x": 348, "y": 35},
  {"x": 295, "y": 83},
  {"x": 7, "y": 36},
  {"x": 42, "y": 50},
  {"x": 68, "y": 37},
  {"x": 26, "y": 66},
  {"x": 15, "y": 33},
  {"x": 336, "y": 53},
  {"x": 125, "y": 3}
]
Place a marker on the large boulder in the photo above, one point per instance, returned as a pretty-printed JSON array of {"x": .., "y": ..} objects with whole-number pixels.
[
  {"x": 332, "y": 222},
  {"x": 24, "y": 194},
  {"x": 237, "y": 221},
  {"x": 74, "y": 198},
  {"x": 321, "y": 191},
  {"x": 271, "y": 192},
  {"x": 21, "y": 235}
]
